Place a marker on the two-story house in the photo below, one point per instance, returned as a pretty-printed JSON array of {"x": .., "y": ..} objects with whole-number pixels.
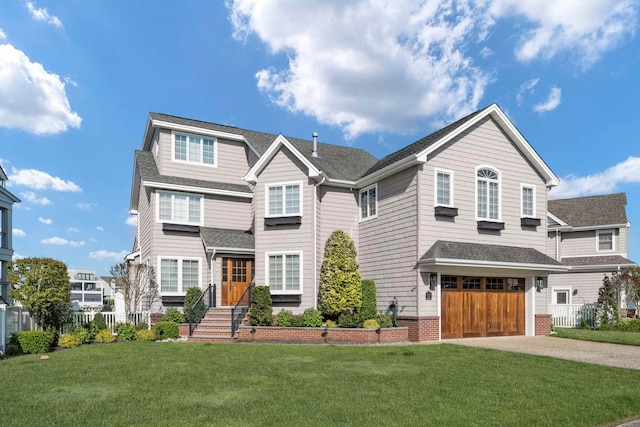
[
  {"x": 6, "y": 232},
  {"x": 453, "y": 227},
  {"x": 588, "y": 235}
]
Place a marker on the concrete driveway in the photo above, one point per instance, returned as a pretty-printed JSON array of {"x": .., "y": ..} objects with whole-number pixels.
[{"x": 621, "y": 356}]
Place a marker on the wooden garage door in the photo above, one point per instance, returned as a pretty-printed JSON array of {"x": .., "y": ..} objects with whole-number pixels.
[{"x": 482, "y": 306}]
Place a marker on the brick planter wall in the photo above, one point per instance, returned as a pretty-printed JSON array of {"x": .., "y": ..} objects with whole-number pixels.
[
  {"x": 543, "y": 324},
  {"x": 321, "y": 335},
  {"x": 183, "y": 329},
  {"x": 422, "y": 328}
]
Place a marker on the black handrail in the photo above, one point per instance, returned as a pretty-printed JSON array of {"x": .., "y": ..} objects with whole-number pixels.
[
  {"x": 192, "y": 315},
  {"x": 236, "y": 320}
]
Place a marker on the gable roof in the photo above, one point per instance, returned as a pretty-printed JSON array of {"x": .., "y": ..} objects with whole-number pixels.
[
  {"x": 479, "y": 254},
  {"x": 227, "y": 240},
  {"x": 591, "y": 211}
]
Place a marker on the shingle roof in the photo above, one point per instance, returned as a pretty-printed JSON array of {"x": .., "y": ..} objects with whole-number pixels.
[
  {"x": 149, "y": 172},
  {"x": 597, "y": 260},
  {"x": 227, "y": 238},
  {"x": 336, "y": 161},
  {"x": 591, "y": 211},
  {"x": 482, "y": 252}
]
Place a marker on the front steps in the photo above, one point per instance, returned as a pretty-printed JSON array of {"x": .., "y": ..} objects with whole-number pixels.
[{"x": 214, "y": 327}]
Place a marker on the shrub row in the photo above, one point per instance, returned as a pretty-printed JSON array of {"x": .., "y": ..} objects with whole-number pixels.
[{"x": 624, "y": 325}]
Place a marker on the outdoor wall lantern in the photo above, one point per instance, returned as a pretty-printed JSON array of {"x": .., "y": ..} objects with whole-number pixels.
[
  {"x": 541, "y": 282},
  {"x": 574, "y": 292},
  {"x": 433, "y": 280},
  {"x": 428, "y": 295}
]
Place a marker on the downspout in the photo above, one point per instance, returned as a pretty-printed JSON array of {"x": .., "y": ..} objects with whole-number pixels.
[{"x": 315, "y": 241}]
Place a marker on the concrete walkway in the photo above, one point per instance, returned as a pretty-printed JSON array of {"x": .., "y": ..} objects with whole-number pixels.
[{"x": 621, "y": 356}]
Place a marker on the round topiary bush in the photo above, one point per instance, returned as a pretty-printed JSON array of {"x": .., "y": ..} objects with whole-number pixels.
[
  {"x": 173, "y": 315},
  {"x": 126, "y": 332},
  {"x": 312, "y": 318},
  {"x": 68, "y": 341},
  {"x": 349, "y": 320},
  {"x": 384, "y": 320},
  {"x": 166, "y": 330},
  {"x": 82, "y": 334},
  {"x": 145, "y": 335},
  {"x": 371, "y": 324},
  {"x": 105, "y": 336},
  {"x": 284, "y": 318}
]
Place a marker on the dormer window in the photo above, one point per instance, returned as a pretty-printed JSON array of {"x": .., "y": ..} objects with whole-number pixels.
[
  {"x": 488, "y": 194},
  {"x": 194, "y": 149}
]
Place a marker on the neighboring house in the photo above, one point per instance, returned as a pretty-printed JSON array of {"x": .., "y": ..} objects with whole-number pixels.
[
  {"x": 6, "y": 232},
  {"x": 588, "y": 235},
  {"x": 453, "y": 227},
  {"x": 87, "y": 290}
]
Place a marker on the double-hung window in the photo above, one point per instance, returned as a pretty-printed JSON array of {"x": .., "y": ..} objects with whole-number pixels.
[
  {"x": 605, "y": 240},
  {"x": 444, "y": 188},
  {"x": 194, "y": 149},
  {"x": 488, "y": 194},
  {"x": 369, "y": 202},
  {"x": 178, "y": 274},
  {"x": 284, "y": 273},
  {"x": 284, "y": 200},
  {"x": 528, "y": 201},
  {"x": 179, "y": 208}
]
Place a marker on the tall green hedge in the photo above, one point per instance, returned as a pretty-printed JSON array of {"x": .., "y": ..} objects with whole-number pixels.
[
  {"x": 369, "y": 308},
  {"x": 340, "y": 283},
  {"x": 192, "y": 299},
  {"x": 261, "y": 311}
]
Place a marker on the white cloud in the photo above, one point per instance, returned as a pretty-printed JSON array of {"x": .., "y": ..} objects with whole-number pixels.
[
  {"x": 583, "y": 29},
  {"x": 47, "y": 221},
  {"x": 526, "y": 87},
  {"x": 73, "y": 230},
  {"x": 31, "y": 197},
  {"x": 132, "y": 220},
  {"x": 401, "y": 52},
  {"x": 551, "y": 103},
  {"x": 103, "y": 255},
  {"x": 16, "y": 256},
  {"x": 31, "y": 98},
  {"x": 18, "y": 233},
  {"x": 99, "y": 228},
  {"x": 42, "y": 14},
  {"x": 608, "y": 181},
  {"x": 59, "y": 241},
  {"x": 3, "y": 35},
  {"x": 40, "y": 180},
  {"x": 85, "y": 206}
]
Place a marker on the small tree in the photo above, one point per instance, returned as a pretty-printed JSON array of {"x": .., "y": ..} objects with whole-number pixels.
[
  {"x": 261, "y": 310},
  {"x": 135, "y": 281},
  {"x": 41, "y": 285},
  {"x": 607, "y": 304},
  {"x": 193, "y": 299},
  {"x": 340, "y": 283},
  {"x": 630, "y": 284}
]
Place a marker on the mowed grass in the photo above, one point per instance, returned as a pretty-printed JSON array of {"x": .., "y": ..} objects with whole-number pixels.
[
  {"x": 614, "y": 337},
  {"x": 184, "y": 384}
]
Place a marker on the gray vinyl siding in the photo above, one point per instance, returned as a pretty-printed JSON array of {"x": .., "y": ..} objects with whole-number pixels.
[
  {"x": 584, "y": 243},
  {"x": 587, "y": 285},
  {"x": 232, "y": 161},
  {"x": 482, "y": 145},
  {"x": 145, "y": 219},
  {"x": 621, "y": 241},
  {"x": 552, "y": 246},
  {"x": 284, "y": 167},
  {"x": 227, "y": 212},
  {"x": 387, "y": 244}
]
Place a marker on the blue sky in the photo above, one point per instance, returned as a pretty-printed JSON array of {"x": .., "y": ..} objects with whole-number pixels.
[{"x": 79, "y": 77}]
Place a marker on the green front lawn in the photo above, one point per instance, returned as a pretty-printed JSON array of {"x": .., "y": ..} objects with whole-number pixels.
[
  {"x": 176, "y": 384},
  {"x": 614, "y": 337}
]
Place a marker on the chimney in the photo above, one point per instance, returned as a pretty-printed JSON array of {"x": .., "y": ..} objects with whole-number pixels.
[{"x": 314, "y": 153}]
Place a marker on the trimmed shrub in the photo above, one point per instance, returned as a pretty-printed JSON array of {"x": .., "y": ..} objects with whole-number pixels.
[
  {"x": 369, "y": 308},
  {"x": 384, "y": 320},
  {"x": 12, "y": 350},
  {"x": 371, "y": 324},
  {"x": 166, "y": 330},
  {"x": 349, "y": 320},
  {"x": 126, "y": 332},
  {"x": 145, "y": 335},
  {"x": 331, "y": 324},
  {"x": 284, "y": 318},
  {"x": 105, "y": 336},
  {"x": 91, "y": 329},
  {"x": 35, "y": 342},
  {"x": 82, "y": 335},
  {"x": 193, "y": 298},
  {"x": 340, "y": 283},
  {"x": 312, "y": 318},
  {"x": 261, "y": 311},
  {"x": 68, "y": 341},
  {"x": 99, "y": 322},
  {"x": 296, "y": 321},
  {"x": 173, "y": 315},
  {"x": 142, "y": 326}
]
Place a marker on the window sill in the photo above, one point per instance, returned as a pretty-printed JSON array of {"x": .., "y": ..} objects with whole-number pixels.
[
  {"x": 530, "y": 222},
  {"x": 172, "y": 299},
  {"x": 490, "y": 225},
  {"x": 283, "y": 220},
  {"x": 286, "y": 298},
  {"x": 445, "y": 211},
  {"x": 168, "y": 226}
]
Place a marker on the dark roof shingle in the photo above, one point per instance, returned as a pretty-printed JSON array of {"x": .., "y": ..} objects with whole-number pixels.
[
  {"x": 227, "y": 238},
  {"x": 483, "y": 252},
  {"x": 597, "y": 260},
  {"x": 590, "y": 211}
]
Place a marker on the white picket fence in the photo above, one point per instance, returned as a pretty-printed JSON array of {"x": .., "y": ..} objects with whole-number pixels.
[
  {"x": 112, "y": 319},
  {"x": 572, "y": 315}
]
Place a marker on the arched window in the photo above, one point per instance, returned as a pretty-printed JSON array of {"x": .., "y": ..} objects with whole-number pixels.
[{"x": 488, "y": 191}]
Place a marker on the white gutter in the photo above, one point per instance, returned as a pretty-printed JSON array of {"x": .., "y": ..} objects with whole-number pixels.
[
  {"x": 201, "y": 190},
  {"x": 315, "y": 240},
  {"x": 391, "y": 169}
]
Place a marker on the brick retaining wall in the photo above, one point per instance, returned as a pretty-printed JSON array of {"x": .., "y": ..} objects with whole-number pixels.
[
  {"x": 321, "y": 335},
  {"x": 543, "y": 324},
  {"x": 422, "y": 328}
]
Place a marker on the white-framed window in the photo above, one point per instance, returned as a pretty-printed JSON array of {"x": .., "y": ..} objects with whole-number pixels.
[
  {"x": 561, "y": 296},
  {"x": 444, "y": 187},
  {"x": 369, "y": 202},
  {"x": 194, "y": 149},
  {"x": 487, "y": 194},
  {"x": 284, "y": 199},
  {"x": 284, "y": 272},
  {"x": 528, "y": 201},
  {"x": 605, "y": 241},
  {"x": 178, "y": 274},
  {"x": 181, "y": 208}
]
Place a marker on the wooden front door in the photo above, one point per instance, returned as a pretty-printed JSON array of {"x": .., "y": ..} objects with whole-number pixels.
[
  {"x": 481, "y": 307},
  {"x": 237, "y": 274}
]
